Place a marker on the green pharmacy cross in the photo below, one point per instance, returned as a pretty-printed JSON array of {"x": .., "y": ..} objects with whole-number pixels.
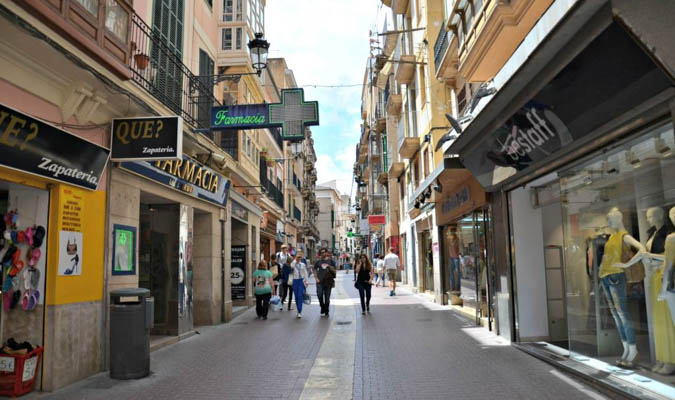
[{"x": 292, "y": 115}]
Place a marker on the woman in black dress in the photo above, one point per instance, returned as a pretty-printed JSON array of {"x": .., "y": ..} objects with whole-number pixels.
[{"x": 364, "y": 281}]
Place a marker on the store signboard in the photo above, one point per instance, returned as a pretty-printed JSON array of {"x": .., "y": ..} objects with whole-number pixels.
[
  {"x": 147, "y": 138},
  {"x": 238, "y": 272},
  {"x": 364, "y": 227},
  {"x": 30, "y": 145},
  {"x": 292, "y": 115},
  {"x": 377, "y": 219},
  {"x": 187, "y": 176},
  {"x": 574, "y": 104},
  {"x": 452, "y": 204}
]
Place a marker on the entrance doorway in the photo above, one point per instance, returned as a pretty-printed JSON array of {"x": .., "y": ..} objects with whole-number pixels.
[
  {"x": 166, "y": 262},
  {"x": 426, "y": 262}
]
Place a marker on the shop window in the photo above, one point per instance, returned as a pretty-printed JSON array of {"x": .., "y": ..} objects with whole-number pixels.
[
  {"x": 594, "y": 246},
  {"x": 25, "y": 211}
]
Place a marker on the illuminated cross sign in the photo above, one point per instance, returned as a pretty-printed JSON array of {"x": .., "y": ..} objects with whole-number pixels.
[{"x": 292, "y": 115}]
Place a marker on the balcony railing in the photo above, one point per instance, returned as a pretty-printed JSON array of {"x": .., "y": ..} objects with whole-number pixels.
[
  {"x": 273, "y": 191},
  {"x": 297, "y": 214},
  {"x": 159, "y": 69},
  {"x": 441, "y": 46}
]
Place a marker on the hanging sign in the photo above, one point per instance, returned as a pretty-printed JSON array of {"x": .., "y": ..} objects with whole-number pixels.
[
  {"x": 238, "y": 272},
  {"x": 30, "y": 145},
  {"x": 187, "y": 176},
  {"x": 292, "y": 115},
  {"x": 377, "y": 220},
  {"x": 149, "y": 138}
]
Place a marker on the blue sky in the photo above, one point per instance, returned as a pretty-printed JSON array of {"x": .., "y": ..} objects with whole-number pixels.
[{"x": 325, "y": 42}]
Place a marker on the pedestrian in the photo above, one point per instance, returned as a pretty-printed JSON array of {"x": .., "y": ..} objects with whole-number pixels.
[
  {"x": 364, "y": 282},
  {"x": 276, "y": 273},
  {"x": 377, "y": 275},
  {"x": 357, "y": 262},
  {"x": 380, "y": 270},
  {"x": 300, "y": 281},
  {"x": 391, "y": 265},
  {"x": 264, "y": 288},
  {"x": 325, "y": 273},
  {"x": 284, "y": 259}
]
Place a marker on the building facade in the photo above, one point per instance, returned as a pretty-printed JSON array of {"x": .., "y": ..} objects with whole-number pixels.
[{"x": 513, "y": 171}]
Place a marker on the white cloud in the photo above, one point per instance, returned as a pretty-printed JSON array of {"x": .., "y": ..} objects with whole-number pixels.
[{"x": 325, "y": 42}]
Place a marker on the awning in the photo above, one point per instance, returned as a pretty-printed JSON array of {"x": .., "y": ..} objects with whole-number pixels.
[{"x": 449, "y": 165}]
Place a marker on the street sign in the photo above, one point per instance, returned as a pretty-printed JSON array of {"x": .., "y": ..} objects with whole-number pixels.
[{"x": 292, "y": 115}]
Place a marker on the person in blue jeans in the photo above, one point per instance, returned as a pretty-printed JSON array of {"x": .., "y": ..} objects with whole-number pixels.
[
  {"x": 454, "y": 274},
  {"x": 300, "y": 281}
]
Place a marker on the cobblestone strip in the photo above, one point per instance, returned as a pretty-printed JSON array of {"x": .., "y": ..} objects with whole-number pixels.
[{"x": 332, "y": 375}]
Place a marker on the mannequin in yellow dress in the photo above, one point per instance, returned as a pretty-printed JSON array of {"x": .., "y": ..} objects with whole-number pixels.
[
  {"x": 661, "y": 311},
  {"x": 664, "y": 329}
]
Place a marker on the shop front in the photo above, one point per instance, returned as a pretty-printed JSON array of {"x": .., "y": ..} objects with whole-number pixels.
[
  {"x": 52, "y": 206},
  {"x": 173, "y": 212},
  {"x": 581, "y": 175},
  {"x": 463, "y": 218},
  {"x": 246, "y": 238}
]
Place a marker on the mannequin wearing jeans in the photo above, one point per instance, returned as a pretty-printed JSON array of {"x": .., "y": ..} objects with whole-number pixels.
[
  {"x": 453, "y": 250},
  {"x": 613, "y": 281}
]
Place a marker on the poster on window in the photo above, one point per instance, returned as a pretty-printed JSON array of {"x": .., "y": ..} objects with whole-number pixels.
[
  {"x": 124, "y": 250},
  {"x": 238, "y": 272},
  {"x": 70, "y": 253}
]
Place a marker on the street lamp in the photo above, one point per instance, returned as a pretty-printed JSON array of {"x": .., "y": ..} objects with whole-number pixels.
[{"x": 259, "y": 49}]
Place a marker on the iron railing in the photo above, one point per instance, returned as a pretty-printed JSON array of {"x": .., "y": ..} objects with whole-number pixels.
[
  {"x": 441, "y": 46},
  {"x": 158, "y": 68},
  {"x": 273, "y": 191},
  {"x": 297, "y": 214}
]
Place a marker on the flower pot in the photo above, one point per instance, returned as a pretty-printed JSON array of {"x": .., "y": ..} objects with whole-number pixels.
[{"x": 141, "y": 61}]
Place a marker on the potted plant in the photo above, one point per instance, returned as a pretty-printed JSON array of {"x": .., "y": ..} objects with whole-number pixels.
[{"x": 141, "y": 61}]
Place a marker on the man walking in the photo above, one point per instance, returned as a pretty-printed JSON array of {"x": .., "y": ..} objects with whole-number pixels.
[
  {"x": 325, "y": 273},
  {"x": 379, "y": 268},
  {"x": 391, "y": 264}
]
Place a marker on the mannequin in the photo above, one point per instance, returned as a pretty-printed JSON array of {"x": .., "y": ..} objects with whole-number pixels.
[
  {"x": 453, "y": 250},
  {"x": 663, "y": 302},
  {"x": 659, "y": 317},
  {"x": 613, "y": 280}
]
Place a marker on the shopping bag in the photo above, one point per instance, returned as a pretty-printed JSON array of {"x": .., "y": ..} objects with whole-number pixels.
[
  {"x": 307, "y": 299},
  {"x": 276, "y": 307},
  {"x": 275, "y": 300}
]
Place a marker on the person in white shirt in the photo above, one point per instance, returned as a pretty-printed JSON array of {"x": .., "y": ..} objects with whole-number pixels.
[
  {"x": 300, "y": 281},
  {"x": 380, "y": 270},
  {"x": 391, "y": 264},
  {"x": 284, "y": 259}
]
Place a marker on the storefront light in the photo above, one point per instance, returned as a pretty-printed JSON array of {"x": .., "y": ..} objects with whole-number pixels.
[
  {"x": 662, "y": 147},
  {"x": 632, "y": 159}
]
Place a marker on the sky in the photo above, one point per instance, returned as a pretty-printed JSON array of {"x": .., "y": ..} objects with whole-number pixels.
[{"x": 326, "y": 42}]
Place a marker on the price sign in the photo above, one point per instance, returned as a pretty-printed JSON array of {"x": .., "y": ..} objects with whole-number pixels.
[
  {"x": 6, "y": 364},
  {"x": 29, "y": 369}
]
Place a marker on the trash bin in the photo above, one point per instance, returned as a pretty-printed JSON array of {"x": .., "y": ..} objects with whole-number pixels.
[{"x": 130, "y": 333}]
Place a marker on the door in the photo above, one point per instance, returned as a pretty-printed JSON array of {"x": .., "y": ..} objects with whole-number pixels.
[{"x": 555, "y": 294}]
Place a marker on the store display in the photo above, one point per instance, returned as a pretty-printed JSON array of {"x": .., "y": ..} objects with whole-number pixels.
[
  {"x": 614, "y": 278},
  {"x": 12, "y": 265}
]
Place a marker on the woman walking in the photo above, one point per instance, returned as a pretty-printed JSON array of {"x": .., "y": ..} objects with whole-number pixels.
[
  {"x": 364, "y": 281},
  {"x": 264, "y": 286},
  {"x": 300, "y": 281}
]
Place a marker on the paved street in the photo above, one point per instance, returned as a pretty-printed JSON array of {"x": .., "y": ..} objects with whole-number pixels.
[{"x": 407, "y": 348}]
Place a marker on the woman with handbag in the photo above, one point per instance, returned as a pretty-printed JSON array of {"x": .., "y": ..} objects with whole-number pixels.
[
  {"x": 300, "y": 278},
  {"x": 263, "y": 288},
  {"x": 364, "y": 281}
]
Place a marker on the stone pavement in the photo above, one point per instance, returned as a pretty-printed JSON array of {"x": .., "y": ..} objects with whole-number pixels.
[{"x": 407, "y": 348}]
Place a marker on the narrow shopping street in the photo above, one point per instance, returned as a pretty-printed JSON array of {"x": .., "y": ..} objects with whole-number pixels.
[{"x": 407, "y": 348}]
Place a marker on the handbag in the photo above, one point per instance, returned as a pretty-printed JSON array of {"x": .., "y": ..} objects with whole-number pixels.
[{"x": 307, "y": 299}]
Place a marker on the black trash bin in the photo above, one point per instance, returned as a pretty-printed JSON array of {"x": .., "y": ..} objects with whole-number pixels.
[{"x": 130, "y": 323}]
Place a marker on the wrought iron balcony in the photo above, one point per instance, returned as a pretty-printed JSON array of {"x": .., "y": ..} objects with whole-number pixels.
[
  {"x": 159, "y": 69},
  {"x": 297, "y": 214},
  {"x": 441, "y": 46}
]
